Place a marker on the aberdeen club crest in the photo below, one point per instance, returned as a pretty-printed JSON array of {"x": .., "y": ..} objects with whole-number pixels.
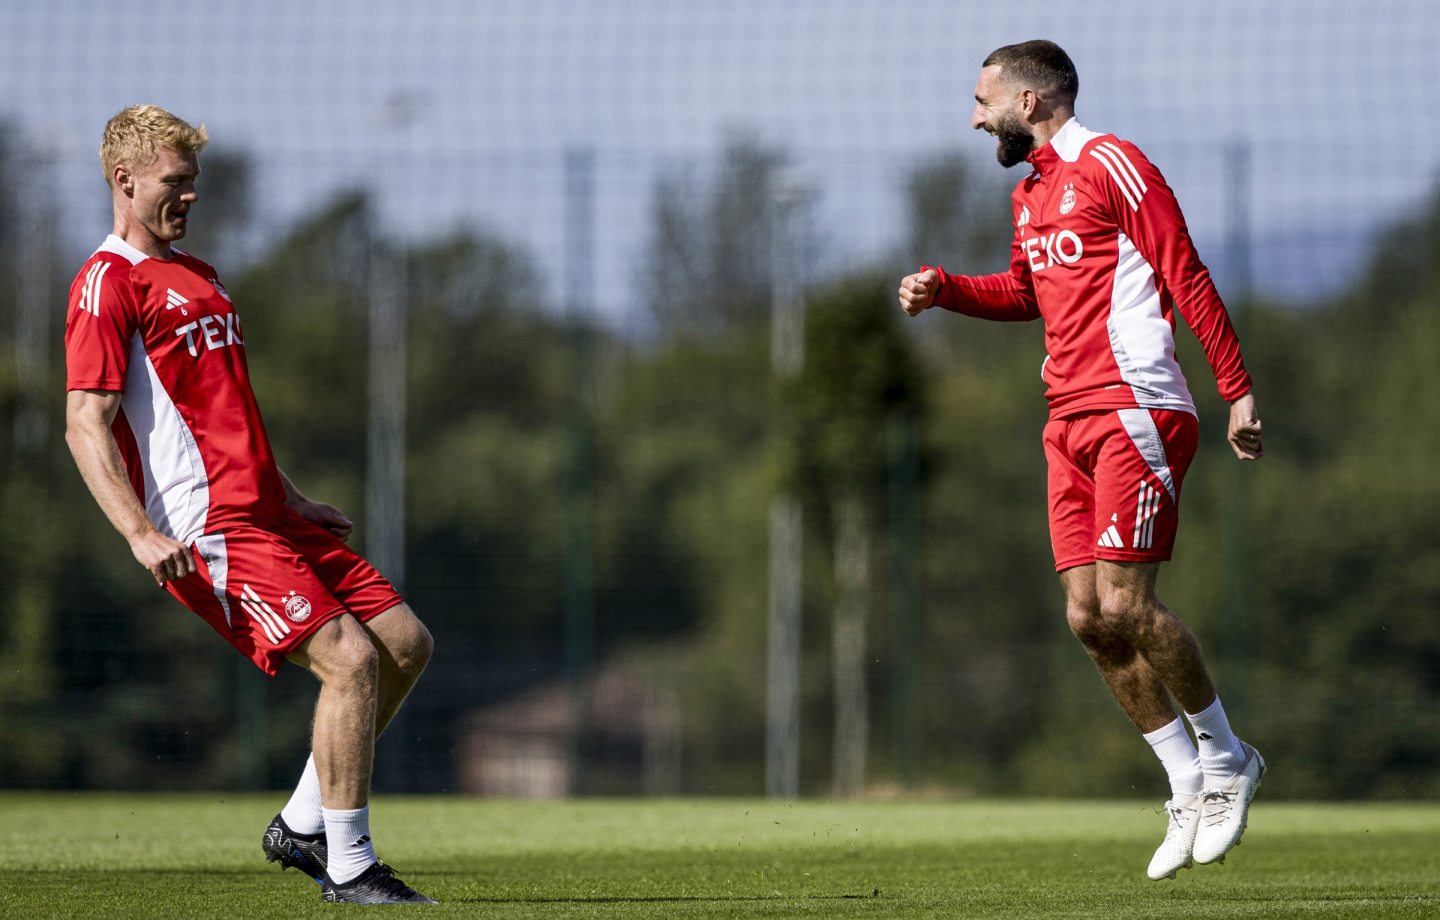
[
  {"x": 1067, "y": 201},
  {"x": 297, "y": 608}
]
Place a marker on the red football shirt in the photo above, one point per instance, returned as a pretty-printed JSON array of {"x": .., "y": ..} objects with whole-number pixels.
[
  {"x": 1102, "y": 254},
  {"x": 164, "y": 332}
]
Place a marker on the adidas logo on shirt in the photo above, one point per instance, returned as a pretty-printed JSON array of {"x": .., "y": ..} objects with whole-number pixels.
[{"x": 174, "y": 298}]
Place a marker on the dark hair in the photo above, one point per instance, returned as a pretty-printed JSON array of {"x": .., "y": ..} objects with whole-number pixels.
[{"x": 1042, "y": 66}]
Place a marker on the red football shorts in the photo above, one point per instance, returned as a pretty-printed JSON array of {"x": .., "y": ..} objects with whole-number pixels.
[
  {"x": 267, "y": 590},
  {"x": 1114, "y": 483}
]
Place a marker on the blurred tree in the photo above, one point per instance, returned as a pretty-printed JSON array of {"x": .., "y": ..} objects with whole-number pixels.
[
  {"x": 686, "y": 454},
  {"x": 711, "y": 257},
  {"x": 858, "y": 372},
  {"x": 222, "y": 227},
  {"x": 956, "y": 217},
  {"x": 105, "y": 682},
  {"x": 31, "y": 409},
  {"x": 990, "y": 610}
]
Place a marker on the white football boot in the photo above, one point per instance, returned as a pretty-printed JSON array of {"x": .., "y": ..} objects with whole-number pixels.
[
  {"x": 1225, "y": 810},
  {"x": 1175, "y": 850}
]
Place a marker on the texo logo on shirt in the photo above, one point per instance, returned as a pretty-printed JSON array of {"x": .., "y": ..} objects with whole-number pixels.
[
  {"x": 214, "y": 331},
  {"x": 1044, "y": 251}
]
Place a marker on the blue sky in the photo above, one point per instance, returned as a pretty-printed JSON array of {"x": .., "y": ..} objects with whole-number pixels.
[{"x": 460, "y": 113}]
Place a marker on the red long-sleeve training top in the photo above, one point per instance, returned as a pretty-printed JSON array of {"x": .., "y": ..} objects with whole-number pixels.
[{"x": 1103, "y": 255}]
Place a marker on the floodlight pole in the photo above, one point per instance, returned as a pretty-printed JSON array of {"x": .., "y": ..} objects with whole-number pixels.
[
  {"x": 787, "y": 523},
  {"x": 1235, "y": 510},
  {"x": 385, "y": 466},
  {"x": 902, "y": 435},
  {"x": 580, "y": 462},
  {"x": 385, "y": 472}
]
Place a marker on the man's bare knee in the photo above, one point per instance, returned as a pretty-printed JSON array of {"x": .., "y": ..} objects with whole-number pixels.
[
  {"x": 414, "y": 653},
  {"x": 1126, "y": 597},
  {"x": 405, "y": 644},
  {"x": 424, "y": 648},
  {"x": 356, "y": 663},
  {"x": 342, "y": 654},
  {"x": 1082, "y": 606}
]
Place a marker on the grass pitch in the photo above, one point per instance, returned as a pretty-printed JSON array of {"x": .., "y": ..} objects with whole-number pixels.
[{"x": 117, "y": 856}]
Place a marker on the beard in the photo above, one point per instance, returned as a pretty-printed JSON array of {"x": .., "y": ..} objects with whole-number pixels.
[{"x": 1013, "y": 142}]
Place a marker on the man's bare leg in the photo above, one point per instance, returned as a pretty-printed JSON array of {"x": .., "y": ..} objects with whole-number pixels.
[
  {"x": 343, "y": 659},
  {"x": 1130, "y": 609},
  {"x": 1147, "y": 655},
  {"x": 348, "y": 662},
  {"x": 1137, "y": 685},
  {"x": 404, "y": 646}
]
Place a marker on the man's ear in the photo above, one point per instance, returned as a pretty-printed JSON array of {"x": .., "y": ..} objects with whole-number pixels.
[
  {"x": 1029, "y": 102},
  {"x": 124, "y": 179}
]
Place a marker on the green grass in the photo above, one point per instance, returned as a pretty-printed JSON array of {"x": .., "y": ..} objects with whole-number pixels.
[{"x": 111, "y": 856}]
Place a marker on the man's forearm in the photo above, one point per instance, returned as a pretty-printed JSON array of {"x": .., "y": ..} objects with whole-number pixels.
[
  {"x": 293, "y": 496},
  {"x": 1001, "y": 296},
  {"x": 98, "y": 459}
]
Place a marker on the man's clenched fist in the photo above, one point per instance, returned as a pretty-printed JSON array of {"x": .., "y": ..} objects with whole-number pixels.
[{"x": 917, "y": 292}]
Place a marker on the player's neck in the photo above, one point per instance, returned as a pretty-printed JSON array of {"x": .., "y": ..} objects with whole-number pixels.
[
  {"x": 134, "y": 233},
  {"x": 1045, "y": 131}
]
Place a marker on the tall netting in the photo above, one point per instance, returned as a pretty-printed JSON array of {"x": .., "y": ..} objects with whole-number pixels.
[{"x": 585, "y": 314}]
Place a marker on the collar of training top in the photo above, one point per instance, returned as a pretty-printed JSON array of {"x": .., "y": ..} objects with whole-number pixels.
[{"x": 1065, "y": 145}]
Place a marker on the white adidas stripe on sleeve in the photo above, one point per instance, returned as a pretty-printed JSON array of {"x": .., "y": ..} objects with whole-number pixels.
[
  {"x": 1129, "y": 167},
  {"x": 1123, "y": 172},
  {"x": 90, "y": 294}
]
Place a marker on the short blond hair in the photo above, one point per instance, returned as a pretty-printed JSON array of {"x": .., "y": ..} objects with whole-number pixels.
[{"x": 133, "y": 137}]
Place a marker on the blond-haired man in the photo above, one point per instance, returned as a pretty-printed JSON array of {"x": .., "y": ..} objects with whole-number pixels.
[{"x": 166, "y": 432}]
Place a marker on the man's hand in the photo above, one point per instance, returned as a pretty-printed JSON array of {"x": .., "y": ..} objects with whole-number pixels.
[
  {"x": 917, "y": 292},
  {"x": 1245, "y": 429},
  {"x": 327, "y": 516},
  {"x": 165, "y": 559},
  {"x": 88, "y": 416}
]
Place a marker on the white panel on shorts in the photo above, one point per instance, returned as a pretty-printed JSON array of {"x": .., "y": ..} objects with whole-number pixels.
[
  {"x": 177, "y": 490},
  {"x": 1140, "y": 425},
  {"x": 217, "y": 560}
]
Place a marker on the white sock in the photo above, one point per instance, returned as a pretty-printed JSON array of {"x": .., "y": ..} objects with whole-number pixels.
[
  {"x": 302, "y": 813},
  {"x": 1177, "y": 754},
  {"x": 347, "y": 837},
  {"x": 1220, "y": 753}
]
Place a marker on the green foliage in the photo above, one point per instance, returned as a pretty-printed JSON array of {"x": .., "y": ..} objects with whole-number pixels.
[
  {"x": 34, "y": 541},
  {"x": 956, "y": 216},
  {"x": 712, "y": 252},
  {"x": 689, "y": 456},
  {"x": 858, "y": 371},
  {"x": 227, "y": 206},
  {"x": 1311, "y": 577}
]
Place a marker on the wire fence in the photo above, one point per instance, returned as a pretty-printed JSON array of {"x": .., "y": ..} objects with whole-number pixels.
[{"x": 572, "y": 210}]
